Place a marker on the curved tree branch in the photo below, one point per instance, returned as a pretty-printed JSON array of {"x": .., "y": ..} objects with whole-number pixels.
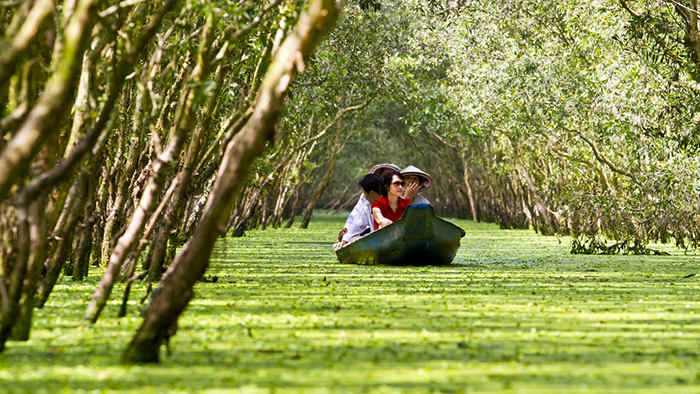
[
  {"x": 599, "y": 156},
  {"x": 176, "y": 287},
  {"x": 12, "y": 50}
]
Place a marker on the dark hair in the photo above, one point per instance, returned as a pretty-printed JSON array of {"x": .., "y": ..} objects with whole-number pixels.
[
  {"x": 385, "y": 181},
  {"x": 370, "y": 183}
]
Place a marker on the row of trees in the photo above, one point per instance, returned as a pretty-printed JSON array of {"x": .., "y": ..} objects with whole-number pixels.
[
  {"x": 130, "y": 127},
  {"x": 574, "y": 118},
  {"x": 135, "y": 128}
]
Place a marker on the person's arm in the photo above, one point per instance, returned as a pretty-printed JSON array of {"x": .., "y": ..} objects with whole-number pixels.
[
  {"x": 358, "y": 225},
  {"x": 342, "y": 233},
  {"x": 410, "y": 191},
  {"x": 379, "y": 218},
  {"x": 358, "y": 222},
  {"x": 362, "y": 201},
  {"x": 353, "y": 216}
]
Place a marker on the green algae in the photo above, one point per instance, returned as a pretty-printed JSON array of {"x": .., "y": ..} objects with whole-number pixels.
[{"x": 515, "y": 313}]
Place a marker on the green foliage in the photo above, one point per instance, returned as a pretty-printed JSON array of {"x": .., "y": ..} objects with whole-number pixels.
[
  {"x": 513, "y": 313},
  {"x": 585, "y": 105}
]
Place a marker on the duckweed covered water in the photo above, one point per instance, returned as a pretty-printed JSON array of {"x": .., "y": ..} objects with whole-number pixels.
[{"x": 515, "y": 313}]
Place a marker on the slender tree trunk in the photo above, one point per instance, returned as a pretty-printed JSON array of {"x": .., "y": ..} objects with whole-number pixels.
[
  {"x": 470, "y": 193},
  {"x": 43, "y": 120},
  {"x": 175, "y": 289},
  {"x": 22, "y": 39},
  {"x": 264, "y": 212},
  {"x": 248, "y": 211},
  {"x": 117, "y": 208},
  {"x": 282, "y": 200},
  {"x": 55, "y": 264},
  {"x": 100, "y": 210},
  {"x": 293, "y": 209},
  {"x": 37, "y": 256},
  {"x": 161, "y": 166},
  {"x": 175, "y": 209},
  {"x": 79, "y": 108},
  {"x": 297, "y": 189},
  {"x": 12, "y": 286},
  {"x": 81, "y": 263},
  {"x": 319, "y": 192}
]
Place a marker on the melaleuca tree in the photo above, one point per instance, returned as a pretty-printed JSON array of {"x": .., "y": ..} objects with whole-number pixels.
[{"x": 559, "y": 117}]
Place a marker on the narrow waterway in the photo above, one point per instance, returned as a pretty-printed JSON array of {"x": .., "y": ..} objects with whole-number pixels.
[{"x": 277, "y": 313}]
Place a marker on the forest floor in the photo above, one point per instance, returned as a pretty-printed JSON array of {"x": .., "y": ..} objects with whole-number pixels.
[{"x": 515, "y": 313}]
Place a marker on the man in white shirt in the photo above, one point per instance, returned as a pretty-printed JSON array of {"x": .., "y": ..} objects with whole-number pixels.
[
  {"x": 378, "y": 169},
  {"x": 360, "y": 220}
]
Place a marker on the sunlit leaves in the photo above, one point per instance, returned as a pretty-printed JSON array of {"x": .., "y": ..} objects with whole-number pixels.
[
  {"x": 513, "y": 313},
  {"x": 561, "y": 84}
]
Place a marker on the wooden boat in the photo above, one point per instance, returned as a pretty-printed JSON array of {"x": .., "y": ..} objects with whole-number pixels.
[{"x": 418, "y": 238}]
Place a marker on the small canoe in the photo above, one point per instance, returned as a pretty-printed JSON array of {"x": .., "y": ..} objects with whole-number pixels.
[{"x": 418, "y": 238}]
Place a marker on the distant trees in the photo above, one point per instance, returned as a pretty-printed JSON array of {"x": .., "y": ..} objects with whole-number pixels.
[
  {"x": 118, "y": 123},
  {"x": 132, "y": 129},
  {"x": 577, "y": 118}
]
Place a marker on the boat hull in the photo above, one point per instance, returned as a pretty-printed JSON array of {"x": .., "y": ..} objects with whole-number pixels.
[{"x": 418, "y": 238}]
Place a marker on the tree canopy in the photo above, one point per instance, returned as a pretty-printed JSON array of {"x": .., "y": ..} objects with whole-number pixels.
[{"x": 136, "y": 133}]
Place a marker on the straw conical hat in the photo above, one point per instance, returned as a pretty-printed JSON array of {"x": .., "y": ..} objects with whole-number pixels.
[
  {"x": 425, "y": 179},
  {"x": 381, "y": 166}
]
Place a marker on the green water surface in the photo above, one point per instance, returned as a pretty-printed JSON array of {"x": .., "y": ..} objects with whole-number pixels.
[{"x": 514, "y": 313}]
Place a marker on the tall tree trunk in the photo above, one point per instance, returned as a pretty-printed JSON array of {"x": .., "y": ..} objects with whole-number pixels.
[
  {"x": 470, "y": 193},
  {"x": 293, "y": 209},
  {"x": 247, "y": 214},
  {"x": 101, "y": 199},
  {"x": 265, "y": 208},
  {"x": 282, "y": 200},
  {"x": 297, "y": 188},
  {"x": 161, "y": 167},
  {"x": 21, "y": 40},
  {"x": 12, "y": 285},
  {"x": 22, "y": 327},
  {"x": 175, "y": 289},
  {"x": 55, "y": 264},
  {"x": 43, "y": 120},
  {"x": 123, "y": 186},
  {"x": 319, "y": 192},
  {"x": 81, "y": 263},
  {"x": 175, "y": 208}
]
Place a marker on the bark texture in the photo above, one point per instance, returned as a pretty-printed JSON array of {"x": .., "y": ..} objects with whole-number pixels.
[
  {"x": 161, "y": 166},
  {"x": 43, "y": 120},
  {"x": 175, "y": 289}
]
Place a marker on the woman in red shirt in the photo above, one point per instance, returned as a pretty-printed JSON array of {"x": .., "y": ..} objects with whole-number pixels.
[{"x": 390, "y": 207}]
